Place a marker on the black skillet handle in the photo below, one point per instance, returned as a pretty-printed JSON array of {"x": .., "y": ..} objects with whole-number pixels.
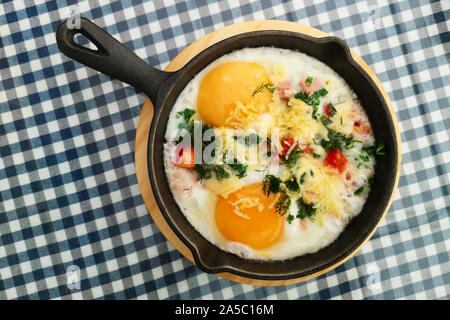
[{"x": 111, "y": 58}]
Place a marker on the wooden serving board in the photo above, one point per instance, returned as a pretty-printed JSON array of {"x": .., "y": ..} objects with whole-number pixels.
[{"x": 147, "y": 114}]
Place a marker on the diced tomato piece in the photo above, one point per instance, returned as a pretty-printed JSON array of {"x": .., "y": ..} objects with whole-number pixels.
[
  {"x": 307, "y": 148},
  {"x": 336, "y": 159},
  {"x": 313, "y": 87},
  {"x": 286, "y": 144},
  {"x": 184, "y": 157},
  {"x": 327, "y": 110}
]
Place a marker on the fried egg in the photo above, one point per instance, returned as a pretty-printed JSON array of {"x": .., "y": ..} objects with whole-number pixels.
[{"x": 291, "y": 154}]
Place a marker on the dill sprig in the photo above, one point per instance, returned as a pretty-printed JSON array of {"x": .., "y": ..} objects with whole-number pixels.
[
  {"x": 271, "y": 184},
  {"x": 261, "y": 87},
  {"x": 283, "y": 204}
]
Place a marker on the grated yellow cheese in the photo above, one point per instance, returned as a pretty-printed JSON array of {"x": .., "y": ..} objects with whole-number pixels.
[
  {"x": 245, "y": 203},
  {"x": 323, "y": 188},
  {"x": 244, "y": 115},
  {"x": 250, "y": 202},
  {"x": 225, "y": 187},
  {"x": 296, "y": 120},
  {"x": 343, "y": 112},
  {"x": 240, "y": 214}
]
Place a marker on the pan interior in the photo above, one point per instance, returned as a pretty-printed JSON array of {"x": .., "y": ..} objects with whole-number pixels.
[{"x": 335, "y": 54}]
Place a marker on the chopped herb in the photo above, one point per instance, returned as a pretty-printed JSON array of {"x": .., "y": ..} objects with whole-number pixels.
[
  {"x": 238, "y": 168},
  {"x": 325, "y": 120},
  {"x": 290, "y": 218},
  {"x": 203, "y": 170},
  {"x": 311, "y": 173},
  {"x": 359, "y": 190},
  {"x": 375, "y": 150},
  {"x": 315, "y": 155},
  {"x": 305, "y": 210},
  {"x": 190, "y": 126},
  {"x": 186, "y": 114},
  {"x": 283, "y": 204},
  {"x": 312, "y": 99},
  {"x": 378, "y": 150},
  {"x": 270, "y": 87},
  {"x": 291, "y": 161},
  {"x": 322, "y": 92},
  {"x": 362, "y": 159},
  {"x": 258, "y": 89},
  {"x": 220, "y": 172},
  {"x": 337, "y": 140},
  {"x": 314, "y": 113},
  {"x": 302, "y": 178},
  {"x": 292, "y": 185},
  {"x": 308, "y": 81},
  {"x": 367, "y": 153},
  {"x": 332, "y": 110},
  {"x": 271, "y": 184},
  {"x": 261, "y": 87}
]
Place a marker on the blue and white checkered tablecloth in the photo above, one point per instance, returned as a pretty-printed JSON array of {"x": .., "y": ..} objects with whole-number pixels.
[{"x": 70, "y": 204}]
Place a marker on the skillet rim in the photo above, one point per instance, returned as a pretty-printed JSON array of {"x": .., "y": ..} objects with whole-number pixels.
[{"x": 170, "y": 84}]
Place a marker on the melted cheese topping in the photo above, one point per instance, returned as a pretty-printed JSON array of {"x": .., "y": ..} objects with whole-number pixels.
[{"x": 321, "y": 185}]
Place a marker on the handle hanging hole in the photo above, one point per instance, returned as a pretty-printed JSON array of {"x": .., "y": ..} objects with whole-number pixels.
[{"x": 81, "y": 40}]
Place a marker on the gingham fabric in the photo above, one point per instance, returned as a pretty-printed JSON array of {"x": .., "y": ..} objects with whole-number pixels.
[{"x": 70, "y": 205}]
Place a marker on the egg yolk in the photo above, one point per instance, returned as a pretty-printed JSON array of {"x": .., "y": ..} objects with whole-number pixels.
[
  {"x": 247, "y": 216},
  {"x": 225, "y": 85}
]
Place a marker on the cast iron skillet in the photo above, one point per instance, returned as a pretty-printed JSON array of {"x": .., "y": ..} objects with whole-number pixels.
[{"x": 163, "y": 88}]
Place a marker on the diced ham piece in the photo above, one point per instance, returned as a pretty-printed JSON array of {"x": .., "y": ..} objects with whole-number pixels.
[
  {"x": 303, "y": 224},
  {"x": 360, "y": 125},
  {"x": 284, "y": 85},
  {"x": 314, "y": 86},
  {"x": 284, "y": 90},
  {"x": 363, "y": 128}
]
